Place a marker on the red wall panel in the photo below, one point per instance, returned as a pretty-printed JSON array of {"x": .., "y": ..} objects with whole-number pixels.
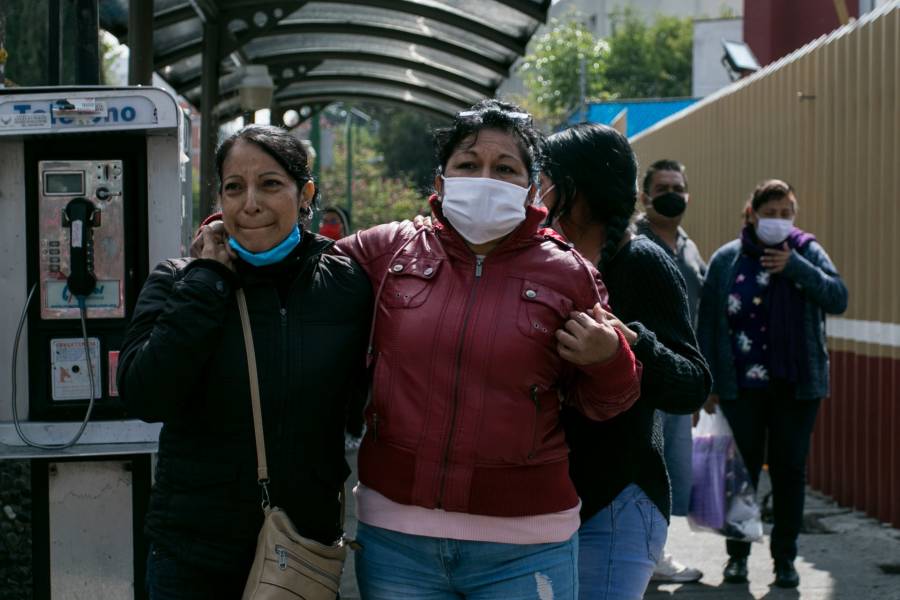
[
  {"x": 855, "y": 454},
  {"x": 774, "y": 28}
]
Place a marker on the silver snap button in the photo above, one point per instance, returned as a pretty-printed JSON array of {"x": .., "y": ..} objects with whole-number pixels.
[
  {"x": 530, "y": 293},
  {"x": 397, "y": 268},
  {"x": 428, "y": 271}
]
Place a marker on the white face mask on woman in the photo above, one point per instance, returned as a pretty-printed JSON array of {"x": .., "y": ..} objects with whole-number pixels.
[
  {"x": 482, "y": 209},
  {"x": 773, "y": 231}
]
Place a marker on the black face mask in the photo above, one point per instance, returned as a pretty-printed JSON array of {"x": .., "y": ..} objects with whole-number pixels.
[{"x": 669, "y": 204}]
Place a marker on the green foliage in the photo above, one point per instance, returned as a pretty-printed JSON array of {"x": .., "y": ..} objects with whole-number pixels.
[
  {"x": 24, "y": 35},
  {"x": 637, "y": 61},
  {"x": 650, "y": 61},
  {"x": 404, "y": 140},
  {"x": 377, "y": 197},
  {"x": 552, "y": 72}
]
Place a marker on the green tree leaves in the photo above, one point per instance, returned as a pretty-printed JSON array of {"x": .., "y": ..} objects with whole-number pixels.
[
  {"x": 638, "y": 60},
  {"x": 553, "y": 71}
]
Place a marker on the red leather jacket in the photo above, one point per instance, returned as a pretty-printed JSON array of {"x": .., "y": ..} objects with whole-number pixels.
[{"x": 467, "y": 381}]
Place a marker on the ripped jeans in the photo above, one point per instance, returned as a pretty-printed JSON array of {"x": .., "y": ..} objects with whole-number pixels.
[
  {"x": 620, "y": 546},
  {"x": 393, "y": 565}
]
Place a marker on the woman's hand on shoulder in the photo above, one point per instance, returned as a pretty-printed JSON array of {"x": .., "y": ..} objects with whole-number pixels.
[
  {"x": 422, "y": 222},
  {"x": 212, "y": 243},
  {"x": 588, "y": 339}
]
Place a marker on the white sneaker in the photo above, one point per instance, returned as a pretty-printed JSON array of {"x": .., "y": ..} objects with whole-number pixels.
[{"x": 669, "y": 570}]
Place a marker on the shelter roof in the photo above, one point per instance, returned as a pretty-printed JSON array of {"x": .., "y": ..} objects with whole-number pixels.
[{"x": 439, "y": 56}]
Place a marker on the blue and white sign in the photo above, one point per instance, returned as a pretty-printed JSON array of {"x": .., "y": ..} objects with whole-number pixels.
[{"x": 86, "y": 110}]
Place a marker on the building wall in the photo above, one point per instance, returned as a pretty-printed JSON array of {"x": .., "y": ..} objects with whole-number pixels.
[
  {"x": 773, "y": 28},
  {"x": 709, "y": 75},
  {"x": 597, "y": 13},
  {"x": 825, "y": 119}
]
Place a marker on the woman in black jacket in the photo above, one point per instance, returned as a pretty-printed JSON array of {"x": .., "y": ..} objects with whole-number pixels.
[
  {"x": 183, "y": 363},
  {"x": 617, "y": 465}
]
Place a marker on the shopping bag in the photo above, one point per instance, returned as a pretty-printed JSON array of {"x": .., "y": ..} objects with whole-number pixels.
[{"x": 723, "y": 498}]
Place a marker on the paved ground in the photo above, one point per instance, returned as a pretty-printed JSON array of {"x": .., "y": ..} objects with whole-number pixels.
[{"x": 840, "y": 559}]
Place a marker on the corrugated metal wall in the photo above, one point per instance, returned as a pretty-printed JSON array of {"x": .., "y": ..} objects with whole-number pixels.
[{"x": 827, "y": 119}]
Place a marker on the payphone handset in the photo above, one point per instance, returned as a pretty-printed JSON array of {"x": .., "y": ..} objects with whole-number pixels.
[{"x": 78, "y": 257}]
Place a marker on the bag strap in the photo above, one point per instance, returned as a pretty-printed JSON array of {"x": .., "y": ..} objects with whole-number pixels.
[{"x": 262, "y": 469}]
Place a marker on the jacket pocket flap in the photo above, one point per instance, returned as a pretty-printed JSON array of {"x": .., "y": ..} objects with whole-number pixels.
[
  {"x": 541, "y": 294},
  {"x": 422, "y": 267}
]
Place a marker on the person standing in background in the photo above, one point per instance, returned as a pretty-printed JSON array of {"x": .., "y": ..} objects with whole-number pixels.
[
  {"x": 335, "y": 223},
  {"x": 761, "y": 326},
  {"x": 665, "y": 199}
]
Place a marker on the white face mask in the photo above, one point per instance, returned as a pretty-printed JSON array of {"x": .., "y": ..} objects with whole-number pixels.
[
  {"x": 482, "y": 209},
  {"x": 773, "y": 231}
]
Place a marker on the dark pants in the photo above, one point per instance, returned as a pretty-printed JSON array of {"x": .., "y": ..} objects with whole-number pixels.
[
  {"x": 171, "y": 579},
  {"x": 789, "y": 423}
]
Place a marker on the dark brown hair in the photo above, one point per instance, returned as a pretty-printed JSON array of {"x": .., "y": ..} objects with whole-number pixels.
[{"x": 766, "y": 191}]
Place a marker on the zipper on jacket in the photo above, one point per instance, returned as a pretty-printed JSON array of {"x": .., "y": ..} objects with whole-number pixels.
[
  {"x": 284, "y": 367},
  {"x": 479, "y": 264},
  {"x": 535, "y": 399},
  {"x": 374, "y": 426}
]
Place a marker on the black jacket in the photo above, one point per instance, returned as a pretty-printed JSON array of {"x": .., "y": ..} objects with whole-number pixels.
[
  {"x": 183, "y": 363},
  {"x": 647, "y": 292}
]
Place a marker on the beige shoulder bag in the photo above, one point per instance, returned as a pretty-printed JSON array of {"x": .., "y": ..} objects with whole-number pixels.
[{"x": 287, "y": 565}]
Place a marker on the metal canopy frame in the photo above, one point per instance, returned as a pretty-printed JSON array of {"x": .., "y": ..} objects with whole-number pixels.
[{"x": 432, "y": 55}]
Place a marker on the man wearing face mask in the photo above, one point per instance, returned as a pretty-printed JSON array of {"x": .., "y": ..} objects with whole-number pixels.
[
  {"x": 665, "y": 199},
  {"x": 762, "y": 329}
]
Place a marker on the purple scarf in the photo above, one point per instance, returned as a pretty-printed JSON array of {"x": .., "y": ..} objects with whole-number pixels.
[{"x": 787, "y": 339}]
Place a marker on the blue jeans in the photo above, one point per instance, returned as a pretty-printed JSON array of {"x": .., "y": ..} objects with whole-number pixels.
[
  {"x": 619, "y": 546},
  {"x": 171, "y": 579},
  {"x": 392, "y": 565},
  {"x": 678, "y": 447}
]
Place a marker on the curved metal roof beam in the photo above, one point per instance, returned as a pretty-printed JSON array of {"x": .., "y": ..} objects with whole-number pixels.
[
  {"x": 395, "y": 33},
  {"x": 450, "y": 17},
  {"x": 432, "y": 69},
  {"x": 292, "y": 59},
  {"x": 177, "y": 14},
  {"x": 534, "y": 10},
  {"x": 327, "y": 98},
  {"x": 373, "y": 79}
]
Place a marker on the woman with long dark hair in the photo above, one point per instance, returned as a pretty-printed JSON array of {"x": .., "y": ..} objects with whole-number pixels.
[{"x": 617, "y": 465}]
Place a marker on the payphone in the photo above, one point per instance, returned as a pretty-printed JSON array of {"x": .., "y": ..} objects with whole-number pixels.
[{"x": 95, "y": 189}]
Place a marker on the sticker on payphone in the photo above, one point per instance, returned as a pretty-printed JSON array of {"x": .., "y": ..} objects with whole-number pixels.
[
  {"x": 69, "y": 369},
  {"x": 113, "y": 362}
]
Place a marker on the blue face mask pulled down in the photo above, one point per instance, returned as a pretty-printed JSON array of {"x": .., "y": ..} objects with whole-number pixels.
[{"x": 272, "y": 255}]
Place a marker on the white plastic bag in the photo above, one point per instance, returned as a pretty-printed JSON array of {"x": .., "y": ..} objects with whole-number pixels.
[{"x": 723, "y": 498}]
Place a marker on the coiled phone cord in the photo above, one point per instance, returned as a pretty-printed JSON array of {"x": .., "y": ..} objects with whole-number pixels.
[{"x": 82, "y": 308}]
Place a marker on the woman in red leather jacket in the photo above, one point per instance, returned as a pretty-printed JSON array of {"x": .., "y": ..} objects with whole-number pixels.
[{"x": 481, "y": 325}]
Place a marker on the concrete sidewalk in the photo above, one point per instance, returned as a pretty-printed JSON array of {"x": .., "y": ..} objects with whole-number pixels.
[{"x": 841, "y": 558}]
